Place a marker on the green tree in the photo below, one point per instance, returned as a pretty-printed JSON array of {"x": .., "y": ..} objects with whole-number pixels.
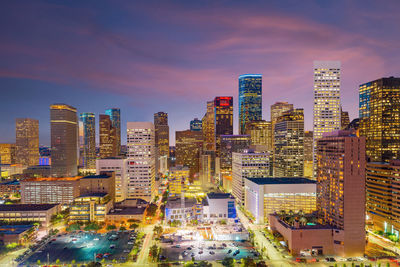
[
  {"x": 158, "y": 230},
  {"x": 204, "y": 264},
  {"x": 227, "y": 262},
  {"x": 57, "y": 261},
  {"x": 122, "y": 228},
  {"x": 111, "y": 227},
  {"x": 93, "y": 264},
  {"x": 134, "y": 226},
  {"x": 151, "y": 209},
  {"x": 153, "y": 252},
  {"x": 248, "y": 262}
]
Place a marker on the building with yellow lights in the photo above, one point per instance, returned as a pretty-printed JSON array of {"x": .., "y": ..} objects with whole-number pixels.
[
  {"x": 7, "y": 153},
  {"x": 27, "y": 142},
  {"x": 178, "y": 176},
  {"x": 90, "y": 208}
]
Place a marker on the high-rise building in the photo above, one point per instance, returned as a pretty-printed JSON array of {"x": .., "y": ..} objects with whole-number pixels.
[
  {"x": 115, "y": 117},
  {"x": 247, "y": 164},
  {"x": 27, "y": 141},
  {"x": 344, "y": 119},
  {"x": 208, "y": 125},
  {"x": 161, "y": 133},
  {"x": 196, "y": 125},
  {"x": 230, "y": 144},
  {"x": 88, "y": 132},
  {"x": 188, "y": 146},
  {"x": 326, "y": 99},
  {"x": 108, "y": 138},
  {"x": 177, "y": 177},
  {"x": 341, "y": 189},
  {"x": 7, "y": 153},
  {"x": 64, "y": 140},
  {"x": 260, "y": 133},
  {"x": 223, "y": 116},
  {"x": 289, "y": 144},
  {"x": 308, "y": 154},
  {"x": 379, "y": 118},
  {"x": 141, "y": 160},
  {"x": 120, "y": 168},
  {"x": 250, "y": 100}
]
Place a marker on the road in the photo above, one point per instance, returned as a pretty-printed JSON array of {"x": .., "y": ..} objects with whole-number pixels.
[
  {"x": 143, "y": 257},
  {"x": 383, "y": 242}
]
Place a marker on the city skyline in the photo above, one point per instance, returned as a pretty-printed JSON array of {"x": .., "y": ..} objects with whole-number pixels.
[{"x": 138, "y": 70}]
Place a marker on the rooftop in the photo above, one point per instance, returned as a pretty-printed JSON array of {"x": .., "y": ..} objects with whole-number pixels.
[
  {"x": 101, "y": 176},
  {"x": 281, "y": 180},
  {"x": 219, "y": 195},
  {"x": 127, "y": 211},
  {"x": 14, "y": 229},
  {"x": 13, "y": 182},
  {"x": 94, "y": 195},
  {"x": 54, "y": 179},
  {"x": 27, "y": 207},
  {"x": 175, "y": 203}
]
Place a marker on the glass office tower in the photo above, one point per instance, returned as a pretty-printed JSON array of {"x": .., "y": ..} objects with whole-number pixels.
[{"x": 250, "y": 99}]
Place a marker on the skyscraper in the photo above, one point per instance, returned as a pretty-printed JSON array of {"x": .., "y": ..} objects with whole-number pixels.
[
  {"x": 223, "y": 118},
  {"x": 64, "y": 140},
  {"x": 277, "y": 109},
  {"x": 27, "y": 141},
  {"x": 208, "y": 126},
  {"x": 250, "y": 99},
  {"x": 326, "y": 99},
  {"x": 289, "y": 144},
  {"x": 161, "y": 138},
  {"x": 196, "y": 125},
  {"x": 141, "y": 160},
  {"x": 88, "y": 140},
  {"x": 115, "y": 117},
  {"x": 308, "y": 154},
  {"x": 344, "y": 119},
  {"x": 379, "y": 118},
  {"x": 230, "y": 144},
  {"x": 108, "y": 138},
  {"x": 260, "y": 133},
  {"x": 7, "y": 153},
  {"x": 188, "y": 146},
  {"x": 341, "y": 189}
]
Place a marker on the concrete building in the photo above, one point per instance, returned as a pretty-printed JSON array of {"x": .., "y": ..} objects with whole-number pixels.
[
  {"x": 120, "y": 168},
  {"x": 7, "y": 153},
  {"x": 91, "y": 207},
  {"x": 289, "y": 144},
  {"x": 223, "y": 119},
  {"x": 247, "y": 164},
  {"x": 102, "y": 183},
  {"x": 127, "y": 210},
  {"x": 344, "y": 119},
  {"x": 217, "y": 207},
  {"x": 115, "y": 117},
  {"x": 19, "y": 234},
  {"x": 379, "y": 119},
  {"x": 188, "y": 149},
  {"x": 161, "y": 140},
  {"x": 383, "y": 196},
  {"x": 308, "y": 154},
  {"x": 326, "y": 100},
  {"x": 250, "y": 99},
  {"x": 108, "y": 137},
  {"x": 230, "y": 144},
  {"x": 27, "y": 142},
  {"x": 208, "y": 127},
  {"x": 260, "y": 134},
  {"x": 50, "y": 190},
  {"x": 141, "y": 160},
  {"x": 264, "y": 196},
  {"x": 64, "y": 140},
  {"x": 276, "y": 110},
  {"x": 28, "y": 213},
  {"x": 181, "y": 210},
  {"x": 178, "y": 176},
  {"x": 87, "y": 140}
]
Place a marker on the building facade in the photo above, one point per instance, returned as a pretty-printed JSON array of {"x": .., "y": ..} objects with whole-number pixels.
[
  {"x": 308, "y": 154},
  {"x": 379, "y": 119},
  {"x": 326, "y": 99},
  {"x": 178, "y": 176},
  {"x": 87, "y": 132},
  {"x": 64, "y": 140},
  {"x": 223, "y": 118},
  {"x": 260, "y": 133},
  {"x": 141, "y": 160},
  {"x": 188, "y": 146},
  {"x": 208, "y": 125},
  {"x": 90, "y": 208},
  {"x": 289, "y": 144},
  {"x": 250, "y": 99},
  {"x": 196, "y": 125},
  {"x": 230, "y": 144},
  {"x": 120, "y": 168},
  {"x": 247, "y": 164},
  {"x": 18, "y": 213},
  {"x": 7, "y": 153},
  {"x": 108, "y": 137},
  {"x": 27, "y": 141},
  {"x": 161, "y": 134},
  {"x": 115, "y": 117}
]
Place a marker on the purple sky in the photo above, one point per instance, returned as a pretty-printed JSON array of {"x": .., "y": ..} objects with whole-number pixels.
[{"x": 173, "y": 56}]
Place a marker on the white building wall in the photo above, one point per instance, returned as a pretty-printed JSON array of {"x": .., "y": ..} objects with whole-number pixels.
[{"x": 119, "y": 167}]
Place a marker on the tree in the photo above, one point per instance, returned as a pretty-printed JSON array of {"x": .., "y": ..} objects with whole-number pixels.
[
  {"x": 227, "y": 262},
  {"x": 153, "y": 252},
  {"x": 93, "y": 264},
  {"x": 204, "y": 264},
  {"x": 248, "y": 262},
  {"x": 57, "y": 261},
  {"x": 111, "y": 227},
  {"x": 158, "y": 230},
  {"x": 73, "y": 261},
  {"x": 151, "y": 209},
  {"x": 134, "y": 226},
  {"x": 122, "y": 228},
  {"x": 303, "y": 220}
]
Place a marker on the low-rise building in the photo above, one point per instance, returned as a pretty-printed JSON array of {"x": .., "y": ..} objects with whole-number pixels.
[
  {"x": 218, "y": 206},
  {"x": 264, "y": 196},
  {"x": 90, "y": 208},
  {"x": 102, "y": 183},
  {"x": 10, "y": 188},
  {"x": 129, "y": 209},
  {"x": 28, "y": 213},
  {"x": 119, "y": 167},
  {"x": 19, "y": 234},
  {"x": 180, "y": 210}
]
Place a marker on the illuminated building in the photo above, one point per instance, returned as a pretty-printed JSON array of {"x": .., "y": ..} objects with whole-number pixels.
[
  {"x": 108, "y": 137},
  {"x": 217, "y": 207},
  {"x": 115, "y": 117},
  {"x": 101, "y": 183},
  {"x": 289, "y": 144},
  {"x": 7, "y": 153},
  {"x": 326, "y": 100},
  {"x": 188, "y": 146},
  {"x": 264, "y": 196},
  {"x": 379, "y": 118},
  {"x": 88, "y": 144},
  {"x": 383, "y": 196},
  {"x": 64, "y": 140},
  {"x": 230, "y": 144},
  {"x": 9, "y": 188},
  {"x": 18, "y": 213},
  {"x": 141, "y": 160},
  {"x": 178, "y": 176},
  {"x": 161, "y": 138},
  {"x": 27, "y": 142},
  {"x": 247, "y": 164},
  {"x": 120, "y": 168},
  {"x": 196, "y": 125},
  {"x": 49, "y": 190},
  {"x": 260, "y": 133},
  {"x": 344, "y": 119},
  {"x": 223, "y": 116},
  {"x": 90, "y": 208},
  {"x": 341, "y": 189},
  {"x": 276, "y": 111},
  {"x": 308, "y": 154},
  {"x": 250, "y": 99},
  {"x": 208, "y": 125}
]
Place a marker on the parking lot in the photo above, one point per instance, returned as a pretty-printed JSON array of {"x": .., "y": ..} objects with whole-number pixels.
[
  {"x": 207, "y": 250},
  {"x": 84, "y": 247}
]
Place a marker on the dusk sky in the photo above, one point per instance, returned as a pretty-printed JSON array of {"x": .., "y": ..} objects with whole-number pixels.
[{"x": 173, "y": 56}]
